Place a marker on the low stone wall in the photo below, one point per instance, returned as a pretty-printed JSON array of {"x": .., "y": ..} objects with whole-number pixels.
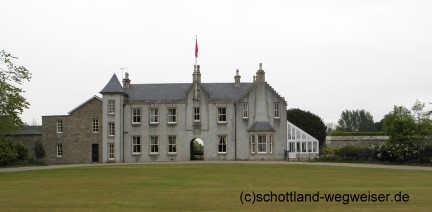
[
  {"x": 304, "y": 156},
  {"x": 357, "y": 141},
  {"x": 360, "y": 141}
]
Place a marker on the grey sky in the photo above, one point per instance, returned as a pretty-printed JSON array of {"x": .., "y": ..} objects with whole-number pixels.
[{"x": 322, "y": 56}]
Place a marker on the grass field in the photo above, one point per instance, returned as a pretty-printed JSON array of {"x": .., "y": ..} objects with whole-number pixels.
[{"x": 200, "y": 187}]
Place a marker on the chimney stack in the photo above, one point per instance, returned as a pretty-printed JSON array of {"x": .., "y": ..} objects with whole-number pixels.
[
  {"x": 126, "y": 81},
  {"x": 237, "y": 79}
]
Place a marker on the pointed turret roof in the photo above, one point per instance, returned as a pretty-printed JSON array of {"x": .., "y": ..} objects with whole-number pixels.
[{"x": 113, "y": 86}]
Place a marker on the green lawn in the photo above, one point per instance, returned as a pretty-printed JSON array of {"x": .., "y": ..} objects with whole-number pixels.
[{"x": 198, "y": 187}]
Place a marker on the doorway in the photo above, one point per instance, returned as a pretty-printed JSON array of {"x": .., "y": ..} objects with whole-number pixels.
[
  {"x": 95, "y": 153},
  {"x": 197, "y": 149}
]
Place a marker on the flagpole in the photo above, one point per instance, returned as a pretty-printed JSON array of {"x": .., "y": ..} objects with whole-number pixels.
[{"x": 196, "y": 44}]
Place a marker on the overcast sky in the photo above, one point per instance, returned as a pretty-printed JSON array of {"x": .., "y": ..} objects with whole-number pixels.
[{"x": 322, "y": 56}]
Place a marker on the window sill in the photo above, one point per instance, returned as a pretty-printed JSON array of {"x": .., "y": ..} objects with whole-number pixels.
[
  {"x": 222, "y": 153},
  {"x": 277, "y": 118},
  {"x": 112, "y": 136},
  {"x": 59, "y": 156},
  {"x": 111, "y": 114},
  {"x": 245, "y": 118},
  {"x": 136, "y": 123},
  {"x": 172, "y": 123},
  {"x": 172, "y": 153},
  {"x": 262, "y": 153},
  {"x": 222, "y": 122},
  {"x": 59, "y": 132},
  {"x": 154, "y": 123},
  {"x": 95, "y": 132}
]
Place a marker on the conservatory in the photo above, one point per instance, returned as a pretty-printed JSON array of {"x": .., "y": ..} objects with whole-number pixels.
[{"x": 300, "y": 145}]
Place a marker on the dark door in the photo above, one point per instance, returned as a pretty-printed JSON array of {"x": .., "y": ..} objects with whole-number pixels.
[{"x": 95, "y": 153}]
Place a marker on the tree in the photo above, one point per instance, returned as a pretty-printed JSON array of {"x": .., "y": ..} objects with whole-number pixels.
[
  {"x": 356, "y": 121},
  {"x": 39, "y": 151},
  {"x": 402, "y": 126},
  {"x": 12, "y": 103},
  {"x": 308, "y": 122}
]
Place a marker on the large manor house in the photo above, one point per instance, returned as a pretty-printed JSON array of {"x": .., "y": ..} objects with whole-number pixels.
[{"x": 177, "y": 122}]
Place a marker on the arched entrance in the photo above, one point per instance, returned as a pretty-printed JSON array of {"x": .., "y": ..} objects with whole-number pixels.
[{"x": 196, "y": 149}]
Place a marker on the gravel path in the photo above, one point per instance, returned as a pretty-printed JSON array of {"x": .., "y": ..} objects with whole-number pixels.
[{"x": 356, "y": 165}]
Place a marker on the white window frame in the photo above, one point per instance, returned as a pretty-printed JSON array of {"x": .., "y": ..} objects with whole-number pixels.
[
  {"x": 196, "y": 114},
  {"x": 172, "y": 144},
  {"x": 261, "y": 146},
  {"x": 154, "y": 115},
  {"x": 111, "y": 106},
  {"x": 221, "y": 116},
  {"x": 276, "y": 110},
  {"x": 111, "y": 129},
  {"x": 154, "y": 145},
  {"x": 136, "y": 145},
  {"x": 95, "y": 125},
  {"x": 59, "y": 126},
  {"x": 245, "y": 110},
  {"x": 172, "y": 115},
  {"x": 59, "y": 150},
  {"x": 222, "y": 144},
  {"x": 270, "y": 144},
  {"x": 253, "y": 144},
  {"x": 136, "y": 115},
  {"x": 111, "y": 151}
]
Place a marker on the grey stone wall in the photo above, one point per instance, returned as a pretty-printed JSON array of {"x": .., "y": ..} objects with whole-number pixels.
[
  {"x": 77, "y": 137},
  {"x": 28, "y": 141},
  {"x": 357, "y": 141}
]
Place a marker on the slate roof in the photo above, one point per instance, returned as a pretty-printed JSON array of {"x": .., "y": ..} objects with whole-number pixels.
[
  {"x": 228, "y": 91},
  {"x": 113, "y": 86},
  {"x": 167, "y": 91},
  {"x": 260, "y": 126},
  {"x": 28, "y": 130},
  {"x": 177, "y": 91}
]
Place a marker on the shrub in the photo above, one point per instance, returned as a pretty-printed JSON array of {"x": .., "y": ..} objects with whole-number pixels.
[
  {"x": 8, "y": 153},
  {"x": 352, "y": 153},
  {"x": 328, "y": 153},
  {"x": 39, "y": 151},
  {"x": 425, "y": 155},
  {"x": 395, "y": 152},
  {"x": 21, "y": 151},
  {"x": 342, "y": 133}
]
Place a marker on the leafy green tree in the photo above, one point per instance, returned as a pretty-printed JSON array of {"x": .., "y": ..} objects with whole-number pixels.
[
  {"x": 356, "y": 121},
  {"x": 8, "y": 152},
  {"x": 308, "y": 122},
  {"x": 402, "y": 126},
  {"x": 12, "y": 103}
]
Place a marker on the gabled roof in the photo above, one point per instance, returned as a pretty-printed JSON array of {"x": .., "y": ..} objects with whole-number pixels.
[
  {"x": 113, "y": 86},
  {"x": 94, "y": 97},
  {"x": 226, "y": 91},
  {"x": 166, "y": 91},
  {"x": 260, "y": 126}
]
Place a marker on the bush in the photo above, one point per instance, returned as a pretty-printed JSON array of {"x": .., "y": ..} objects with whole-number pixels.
[
  {"x": 395, "y": 152},
  {"x": 8, "y": 152},
  {"x": 328, "y": 153},
  {"x": 425, "y": 155},
  {"x": 21, "y": 151},
  {"x": 11, "y": 152},
  {"x": 352, "y": 153},
  {"x": 39, "y": 151}
]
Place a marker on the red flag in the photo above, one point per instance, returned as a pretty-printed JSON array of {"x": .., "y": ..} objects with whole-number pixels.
[{"x": 196, "y": 48}]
